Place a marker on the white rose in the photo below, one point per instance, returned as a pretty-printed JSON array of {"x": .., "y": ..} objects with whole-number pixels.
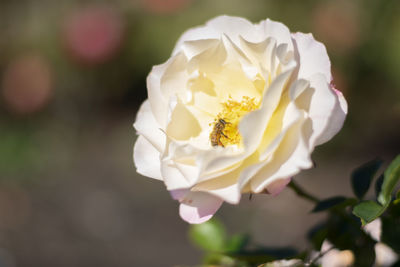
[{"x": 238, "y": 108}]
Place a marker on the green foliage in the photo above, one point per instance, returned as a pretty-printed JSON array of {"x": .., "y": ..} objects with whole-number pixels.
[
  {"x": 332, "y": 202},
  {"x": 391, "y": 228},
  {"x": 392, "y": 176},
  {"x": 209, "y": 236},
  {"x": 361, "y": 178},
  {"x": 237, "y": 242},
  {"x": 341, "y": 228},
  {"x": 378, "y": 185},
  {"x": 397, "y": 200},
  {"x": 317, "y": 235},
  {"x": 368, "y": 211}
]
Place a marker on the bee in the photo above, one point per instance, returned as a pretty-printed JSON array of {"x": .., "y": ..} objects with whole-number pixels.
[{"x": 217, "y": 132}]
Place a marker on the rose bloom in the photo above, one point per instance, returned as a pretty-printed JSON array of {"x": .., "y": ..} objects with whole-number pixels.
[{"x": 237, "y": 108}]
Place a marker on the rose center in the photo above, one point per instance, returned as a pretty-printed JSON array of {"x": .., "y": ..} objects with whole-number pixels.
[{"x": 225, "y": 130}]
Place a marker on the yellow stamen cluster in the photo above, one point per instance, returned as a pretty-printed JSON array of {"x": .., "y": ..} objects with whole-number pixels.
[{"x": 231, "y": 113}]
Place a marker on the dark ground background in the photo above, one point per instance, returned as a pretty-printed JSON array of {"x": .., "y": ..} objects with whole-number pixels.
[{"x": 72, "y": 76}]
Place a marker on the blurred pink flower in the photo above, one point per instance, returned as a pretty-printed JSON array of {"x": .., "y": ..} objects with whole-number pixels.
[
  {"x": 27, "y": 84},
  {"x": 94, "y": 34}
]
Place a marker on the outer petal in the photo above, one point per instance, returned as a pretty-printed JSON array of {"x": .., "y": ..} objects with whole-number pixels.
[
  {"x": 159, "y": 105},
  {"x": 278, "y": 31},
  {"x": 198, "y": 207},
  {"x": 235, "y": 27},
  {"x": 147, "y": 126},
  {"x": 324, "y": 109},
  {"x": 336, "y": 119},
  {"x": 312, "y": 56},
  {"x": 225, "y": 187},
  {"x": 147, "y": 158}
]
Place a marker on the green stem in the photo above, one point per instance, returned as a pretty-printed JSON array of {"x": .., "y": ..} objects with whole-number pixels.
[{"x": 301, "y": 193}]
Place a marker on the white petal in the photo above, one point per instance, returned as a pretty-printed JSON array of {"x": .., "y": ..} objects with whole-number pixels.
[
  {"x": 234, "y": 27},
  {"x": 313, "y": 56},
  {"x": 336, "y": 119},
  {"x": 159, "y": 105},
  {"x": 278, "y": 31},
  {"x": 286, "y": 118},
  {"x": 172, "y": 176},
  {"x": 183, "y": 125},
  {"x": 197, "y": 33},
  {"x": 325, "y": 110},
  {"x": 290, "y": 157},
  {"x": 199, "y": 207},
  {"x": 147, "y": 159},
  {"x": 147, "y": 126},
  {"x": 224, "y": 186},
  {"x": 253, "y": 124},
  {"x": 194, "y": 47}
]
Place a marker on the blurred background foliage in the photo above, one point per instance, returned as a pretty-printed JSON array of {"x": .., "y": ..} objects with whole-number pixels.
[{"x": 72, "y": 76}]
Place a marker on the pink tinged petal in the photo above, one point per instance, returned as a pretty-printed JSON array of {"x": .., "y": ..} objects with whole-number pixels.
[
  {"x": 276, "y": 187},
  {"x": 179, "y": 194},
  {"x": 147, "y": 159},
  {"x": 313, "y": 56},
  {"x": 147, "y": 126},
  {"x": 199, "y": 207}
]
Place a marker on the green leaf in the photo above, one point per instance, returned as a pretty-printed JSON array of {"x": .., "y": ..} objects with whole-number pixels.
[
  {"x": 368, "y": 211},
  {"x": 378, "y": 185},
  {"x": 392, "y": 176},
  {"x": 317, "y": 235},
  {"x": 361, "y": 177},
  {"x": 237, "y": 242},
  {"x": 262, "y": 255},
  {"x": 328, "y": 203},
  {"x": 209, "y": 236},
  {"x": 364, "y": 252},
  {"x": 391, "y": 228}
]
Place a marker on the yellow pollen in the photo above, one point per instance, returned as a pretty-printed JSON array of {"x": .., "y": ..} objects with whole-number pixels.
[{"x": 232, "y": 112}]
